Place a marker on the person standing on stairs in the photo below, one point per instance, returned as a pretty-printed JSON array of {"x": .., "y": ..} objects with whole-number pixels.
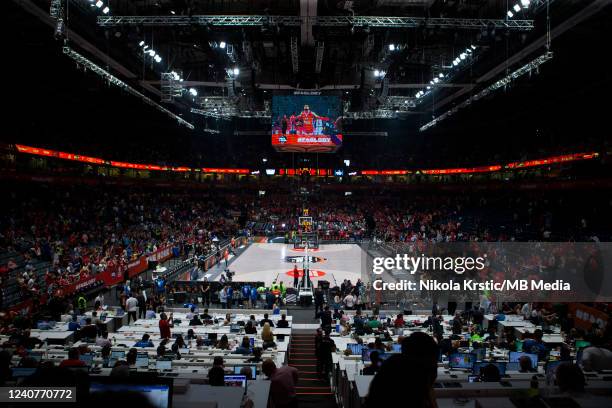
[
  {"x": 318, "y": 301},
  {"x": 326, "y": 347},
  {"x": 282, "y": 384}
]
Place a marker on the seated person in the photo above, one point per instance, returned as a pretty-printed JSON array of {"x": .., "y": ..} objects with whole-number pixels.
[
  {"x": 144, "y": 342},
  {"x": 216, "y": 376},
  {"x": 103, "y": 340},
  {"x": 245, "y": 346},
  {"x": 150, "y": 314},
  {"x": 374, "y": 364},
  {"x": 373, "y": 323},
  {"x": 249, "y": 328},
  {"x": 195, "y": 321},
  {"x": 200, "y": 342},
  {"x": 265, "y": 320},
  {"x": 73, "y": 325},
  {"x": 191, "y": 313},
  {"x": 223, "y": 343},
  {"x": 570, "y": 378},
  {"x": 247, "y": 372},
  {"x": 228, "y": 320},
  {"x": 399, "y": 321},
  {"x": 282, "y": 323},
  {"x": 257, "y": 352},
  {"x": 267, "y": 336},
  {"x": 89, "y": 331},
  {"x": 218, "y": 362},
  {"x": 161, "y": 349},
  {"x": 73, "y": 359},
  {"x": 490, "y": 373},
  {"x": 525, "y": 365},
  {"x": 130, "y": 357},
  {"x": 205, "y": 315}
]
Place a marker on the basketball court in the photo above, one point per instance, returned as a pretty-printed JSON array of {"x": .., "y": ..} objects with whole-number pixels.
[{"x": 269, "y": 261}]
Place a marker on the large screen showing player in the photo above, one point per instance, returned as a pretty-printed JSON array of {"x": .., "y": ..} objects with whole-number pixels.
[{"x": 305, "y": 123}]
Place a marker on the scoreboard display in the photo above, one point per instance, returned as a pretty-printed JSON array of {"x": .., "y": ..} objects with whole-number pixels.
[{"x": 306, "y": 123}]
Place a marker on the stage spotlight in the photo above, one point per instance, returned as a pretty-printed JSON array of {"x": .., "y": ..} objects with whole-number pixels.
[
  {"x": 441, "y": 75},
  {"x": 157, "y": 58},
  {"x": 391, "y": 47},
  {"x": 236, "y": 71},
  {"x": 222, "y": 44},
  {"x": 517, "y": 8},
  {"x": 152, "y": 53},
  {"x": 141, "y": 43},
  {"x": 193, "y": 92},
  {"x": 510, "y": 14},
  {"x": 525, "y": 3},
  {"x": 105, "y": 10},
  {"x": 172, "y": 12},
  {"x": 462, "y": 55},
  {"x": 145, "y": 47},
  {"x": 99, "y": 4},
  {"x": 376, "y": 73},
  {"x": 429, "y": 87},
  {"x": 473, "y": 47},
  {"x": 264, "y": 160},
  {"x": 455, "y": 62},
  {"x": 436, "y": 80}
]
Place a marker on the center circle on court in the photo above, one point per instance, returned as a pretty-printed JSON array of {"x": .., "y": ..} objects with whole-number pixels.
[{"x": 314, "y": 273}]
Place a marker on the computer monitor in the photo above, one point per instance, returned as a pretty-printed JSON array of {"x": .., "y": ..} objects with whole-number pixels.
[
  {"x": 461, "y": 360},
  {"x": 501, "y": 366},
  {"x": 234, "y": 328},
  {"x": 514, "y": 357},
  {"x": 115, "y": 356},
  {"x": 36, "y": 355},
  {"x": 252, "y": 342},
  {"x": 580, "y": 344},
  {"x": 18, "y": 372},
  {"x": 480, "y": 353},
  {"x": 365, "y": 355},
  {"x": 514, "y": 366},
  {"x": 384, "y": 356},
  {"x": 397, "y": 348},
  {"x": 156, "y": 390},
  {"x": 184, "y": 351},
  {"x": 235, "y": 380},
  {"x": 355, "y": 349},
  {"x": 87, "y": 358},
  {"x": 212, "y": 336},
  {"x": 163, "y": 364},
  {"x": 253, "y": 368},
  {"x": 142, "y": 360}
]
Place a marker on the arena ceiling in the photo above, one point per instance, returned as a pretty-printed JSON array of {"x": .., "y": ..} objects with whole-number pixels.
[{"x": 335, "y": 47}]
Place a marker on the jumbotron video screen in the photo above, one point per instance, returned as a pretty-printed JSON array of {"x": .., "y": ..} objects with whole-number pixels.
[{"x": 306, "y": 123}]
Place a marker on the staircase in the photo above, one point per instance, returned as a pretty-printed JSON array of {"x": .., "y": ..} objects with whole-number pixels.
[{"x": 311, "y": 390}]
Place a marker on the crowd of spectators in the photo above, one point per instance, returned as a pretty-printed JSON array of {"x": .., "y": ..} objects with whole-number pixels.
[{"x": 82, "y": 231}]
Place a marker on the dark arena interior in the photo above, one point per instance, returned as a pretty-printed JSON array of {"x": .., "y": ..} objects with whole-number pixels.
[{"x": 306, "y": 203}]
